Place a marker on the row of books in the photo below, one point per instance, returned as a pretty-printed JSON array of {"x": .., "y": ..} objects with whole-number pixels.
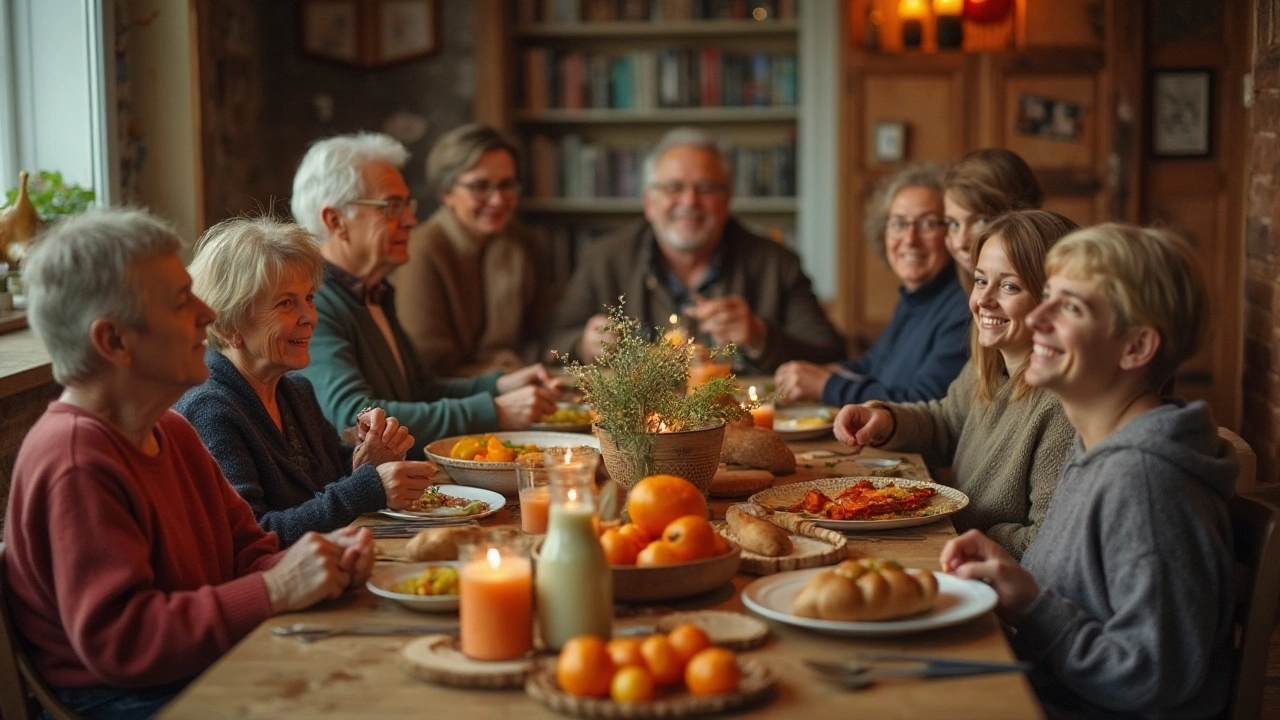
[
  {"x": 574, "y": 168},
  {"x": 572, "y": 11},
  {"x": 650, "y": 79}
]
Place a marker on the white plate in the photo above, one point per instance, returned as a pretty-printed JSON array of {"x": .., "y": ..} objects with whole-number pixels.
[
  {"x": 490, "y": 498},
  {"x": 785, "y": 419},
  {"x": 499, "y": 477},
  {"x": 565, "y": 427},
  {"x": 959, "y": 601},
  {"x": 383, "y": 584},
  {"x": 948, "y": 501}
]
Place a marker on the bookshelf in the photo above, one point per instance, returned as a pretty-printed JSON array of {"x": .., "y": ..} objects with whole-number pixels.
[{"x": 588, "y": 92}]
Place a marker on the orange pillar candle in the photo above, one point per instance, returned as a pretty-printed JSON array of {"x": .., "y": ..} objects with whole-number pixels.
[
  {"x": 533, "y": 509},
  {"x": 761, "y": 415},
  {"x": 495, "y": 604}
]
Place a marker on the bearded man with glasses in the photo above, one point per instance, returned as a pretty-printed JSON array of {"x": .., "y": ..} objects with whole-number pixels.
[
  {"x": 924, "y": 346},
  {"x": 691, "y": 259},
  {"x": 348, "y": 191}
]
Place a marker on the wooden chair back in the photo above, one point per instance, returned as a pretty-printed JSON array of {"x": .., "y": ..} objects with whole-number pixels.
[
  {"x": 1256, "y": 528},
  {"x": 1248, "y": 478},
  {"x": 22, "y": 690}
]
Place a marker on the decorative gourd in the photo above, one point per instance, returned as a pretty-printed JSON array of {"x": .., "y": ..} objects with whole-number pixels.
[{"x": 18, "y": 224}]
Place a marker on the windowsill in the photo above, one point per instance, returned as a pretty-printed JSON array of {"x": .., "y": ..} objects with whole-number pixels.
[
  {"x": 24, "y": 363},
  {"x": 12, "y": 320}
]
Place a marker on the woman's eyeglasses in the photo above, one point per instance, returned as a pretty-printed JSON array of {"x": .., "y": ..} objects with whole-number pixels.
[
  {"x": 483, "y": 189},
  {"x": 926, "y": 225},
  {"x": 392, "y": 208}
]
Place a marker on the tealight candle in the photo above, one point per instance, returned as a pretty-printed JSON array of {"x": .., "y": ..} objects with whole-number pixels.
[
  {"x": 495, "y": 603},
  {"x": 676, "y": 335},
  {"x": 761, "y": 415}
]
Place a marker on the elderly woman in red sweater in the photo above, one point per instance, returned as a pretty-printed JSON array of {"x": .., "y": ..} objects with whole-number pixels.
[{"x": 159, "y": 565}]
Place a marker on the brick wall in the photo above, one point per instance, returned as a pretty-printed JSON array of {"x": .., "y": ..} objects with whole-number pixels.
[{"x": 1261, "y": 426}]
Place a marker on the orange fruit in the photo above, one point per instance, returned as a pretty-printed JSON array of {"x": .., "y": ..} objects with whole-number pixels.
[
  {"x": 688, "y": 640},
  {"x": 618, "y": 548},
  {"x": 691, "y": 536},
  {"x": 657, "y": 553},
  {"x": 584, "y": 667},
  {"x": 625, "y": 651},
  {"x": 712, "y": 671},
  {"x": 659, "y": 499},
  {"x": 637, "y": 535},
  {"x": 722, "y": 545},
  {"x": 663, "y": 661},
  {"x": 631, "y": 684}
]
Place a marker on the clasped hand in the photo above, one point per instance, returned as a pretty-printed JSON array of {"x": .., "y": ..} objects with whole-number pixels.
[
  {"x": 318, "y": 567},
  {"x": 526, "y": 395}
]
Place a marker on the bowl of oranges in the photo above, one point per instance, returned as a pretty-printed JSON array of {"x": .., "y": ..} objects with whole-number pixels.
[
  {"x": 663, "y": 675},
  {"x": 668, "y": 549},
  {"x": 489, "y": 461}
]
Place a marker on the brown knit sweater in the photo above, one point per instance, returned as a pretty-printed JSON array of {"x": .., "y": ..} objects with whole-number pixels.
[{"x": 1005, "y": 455}]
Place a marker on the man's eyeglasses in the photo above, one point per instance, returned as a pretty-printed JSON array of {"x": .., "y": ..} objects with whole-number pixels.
[
  {"x": 483, "y": 189},
  {"x": 675, "y": 188},
  {"x": 392, "y": 208},
  {"x": 924, "y": 225}
]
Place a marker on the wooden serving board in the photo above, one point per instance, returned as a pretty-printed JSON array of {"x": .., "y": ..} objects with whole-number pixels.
[
  {"x": 814, "y": 547},
  {"x": 437, "y": 659},
  {"x": 756, "y": 686}
]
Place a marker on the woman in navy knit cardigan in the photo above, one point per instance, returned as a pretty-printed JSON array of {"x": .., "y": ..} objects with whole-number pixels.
[{"x": 264, "y": 426}]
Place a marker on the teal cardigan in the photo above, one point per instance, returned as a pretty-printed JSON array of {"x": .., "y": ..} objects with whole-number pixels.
[{"x": 352, "y": 367}]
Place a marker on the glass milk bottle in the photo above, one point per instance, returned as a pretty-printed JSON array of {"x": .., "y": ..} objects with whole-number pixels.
[{"x": 573, "y": 584}]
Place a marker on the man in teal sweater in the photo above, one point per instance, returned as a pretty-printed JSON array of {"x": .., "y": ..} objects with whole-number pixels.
[{"x": 349, "y": 192}]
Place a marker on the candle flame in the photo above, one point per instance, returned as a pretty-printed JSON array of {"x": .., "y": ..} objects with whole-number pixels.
[
  {"x": 572, "y": 495},
  {"x": 751, "y": 392},
  {"x": 494, "y": 558},
  {"x": 675, "y": 318}
]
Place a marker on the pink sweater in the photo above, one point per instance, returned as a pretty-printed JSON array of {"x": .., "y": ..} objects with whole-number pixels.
[{"x": 126, "y": 570}]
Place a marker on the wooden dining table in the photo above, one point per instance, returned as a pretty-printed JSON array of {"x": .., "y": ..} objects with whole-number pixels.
[{"x": 265, "y": 676}]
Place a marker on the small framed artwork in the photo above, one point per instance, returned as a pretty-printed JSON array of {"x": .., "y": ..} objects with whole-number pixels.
[
  {"x": 889, "y": 141},
  {"x": 370, "y": 33},
  {"x": 1181, "y": 103}
]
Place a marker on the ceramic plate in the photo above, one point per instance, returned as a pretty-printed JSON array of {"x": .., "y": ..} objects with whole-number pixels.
[
  {"x": 490, "y": 498},
  {"x": 384, "y": 584},
  {"x": 499, "y": 477},
  {"x": 948, "y": 501},
  {"x": 804, "y": 423},
  {"x": 959, "y": 601},
  {"x": 572, "y": 427}
]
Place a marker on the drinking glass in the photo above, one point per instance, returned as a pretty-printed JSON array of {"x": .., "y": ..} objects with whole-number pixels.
[{"x": 533, "y": 481}]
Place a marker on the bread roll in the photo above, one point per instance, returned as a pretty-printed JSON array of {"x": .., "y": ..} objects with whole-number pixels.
[
  {"x": 758, "y": 536},
  {"x": 866, "y": 590},
  {"x": 757, "y": 447},
  {"x": 731, "y": 482},
  {"x": 435, "y": 544}
]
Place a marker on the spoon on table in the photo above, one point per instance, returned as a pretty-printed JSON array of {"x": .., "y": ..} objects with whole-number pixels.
[
  {"x": 306, "y": 633},
  {"x": 859, "y": 673}
]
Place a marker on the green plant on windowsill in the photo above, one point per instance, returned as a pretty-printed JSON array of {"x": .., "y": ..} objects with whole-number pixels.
[
  {"x": 637, "y": 390},
  {"x": 52, "y": 196}
]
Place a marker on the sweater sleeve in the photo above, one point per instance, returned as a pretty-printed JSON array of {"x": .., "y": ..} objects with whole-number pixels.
[
  {"x": 946, "y": 356},
  {"x": 422, "y": 308},
  {"x": 1054, "y": 434},
  {"x": 342, "y": 390},
  {"x": 581, "y": 299},
  {"x": 1167, "y": 589},
  {"x": 125, "y": 630},
  {"x": 933, "y": 428},
  {"x": 803, "y": 333}
]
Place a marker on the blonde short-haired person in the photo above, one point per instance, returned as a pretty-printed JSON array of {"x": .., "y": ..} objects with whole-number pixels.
[
  {"x": 473, "y": 296},
  {"x": 132, "y": 565},
  {"x": 1125, "y": 599},
  {"x": 1004, "y": 440},
  {"x": 265, "y": 428}
]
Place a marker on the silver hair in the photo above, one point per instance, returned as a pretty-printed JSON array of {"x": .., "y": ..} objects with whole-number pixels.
[
  {"x": 238, "y": 261},
  {"x": 330, "y": 174},
  {"x": 686, "y": 137},
  {"x": 83, "y": 269},
  {"x": 921, "y": 175}
]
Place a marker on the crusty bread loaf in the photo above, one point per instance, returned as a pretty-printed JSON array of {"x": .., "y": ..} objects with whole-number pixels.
[
  {"x": 756, "y": 535},
  {"x": 435, "y": 544},
  {"x": 732, "y": 482},
  {"x": 866, "y": 590},
  {"x": 757, "y": 447}
]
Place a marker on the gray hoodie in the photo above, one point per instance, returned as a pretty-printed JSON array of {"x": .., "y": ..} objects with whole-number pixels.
[{"x": 1136, "y": 572}]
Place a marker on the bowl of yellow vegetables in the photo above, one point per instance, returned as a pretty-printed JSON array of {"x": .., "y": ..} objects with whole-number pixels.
[
  {"x": 489, "y": 460},
  {"x": 426, "y": 587}
]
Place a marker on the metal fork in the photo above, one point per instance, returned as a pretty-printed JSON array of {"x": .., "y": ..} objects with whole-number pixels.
[{"x": 306, "y": 633}]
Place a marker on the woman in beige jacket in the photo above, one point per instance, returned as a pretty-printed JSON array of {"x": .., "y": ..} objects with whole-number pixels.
[{"x": 472, "y": 297}]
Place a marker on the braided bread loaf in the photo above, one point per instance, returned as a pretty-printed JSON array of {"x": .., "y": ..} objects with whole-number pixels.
[{"x": 866, "y": 590}]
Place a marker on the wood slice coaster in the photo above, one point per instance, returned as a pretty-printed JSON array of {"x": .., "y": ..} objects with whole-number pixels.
[
  {"x": 732, "y": 630},
  {"x": 437, "y": 659},
  {"x": 814, "y": 547},
  {"x": 757, "y": 686}
]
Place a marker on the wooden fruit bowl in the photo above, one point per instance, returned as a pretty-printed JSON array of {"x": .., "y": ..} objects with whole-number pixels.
[{"x": 668, "y": 582}]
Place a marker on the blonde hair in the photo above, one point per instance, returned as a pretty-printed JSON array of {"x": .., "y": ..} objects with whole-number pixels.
[
  {"x": 238, "y": 261},
  {"x": 1027, "y": 236},
  {"x": 1151, "y": 277}
]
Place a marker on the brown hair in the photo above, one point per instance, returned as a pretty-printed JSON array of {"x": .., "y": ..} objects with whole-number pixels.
[
  {"x": 458, "y": 150},
  {"x": 921, "y": 175},
  {"x": 993, "y": 181},
  {"x": 1027, "y": 236}
]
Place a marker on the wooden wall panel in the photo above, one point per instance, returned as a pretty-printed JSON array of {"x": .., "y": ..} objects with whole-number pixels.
[
  {"x": 1081, "y": 209},
  {"x": 1051, "y": 153},
  {"x": 919, "y": 100}
]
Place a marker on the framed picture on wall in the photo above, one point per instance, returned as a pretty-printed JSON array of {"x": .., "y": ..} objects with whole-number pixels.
[
  {"x": 889, "y": 141},
  {"x": 370, "y": 33},
  {"x": 1181, "y": 103}
]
